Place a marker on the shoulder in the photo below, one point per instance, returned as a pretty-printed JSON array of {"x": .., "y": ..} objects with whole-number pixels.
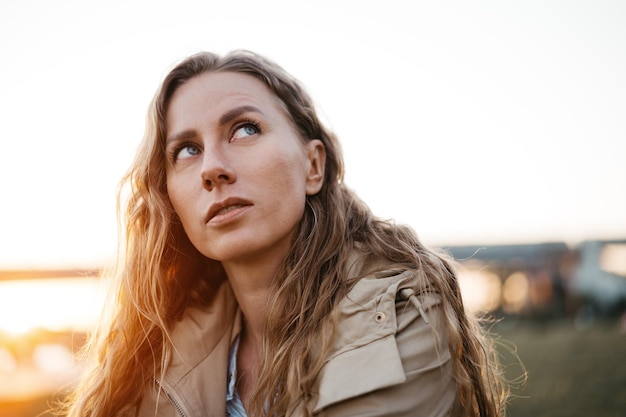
[
  {"x": 385, "y": 345},
  {"x": 379, "y": 303},
  {"x": 195, "y": 375}
]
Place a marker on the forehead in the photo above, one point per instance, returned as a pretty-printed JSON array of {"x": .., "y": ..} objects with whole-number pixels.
[{"x": 219, "y": 91}]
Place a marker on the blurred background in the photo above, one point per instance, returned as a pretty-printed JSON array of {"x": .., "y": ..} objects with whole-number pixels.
[{"x": 496, "y": 129}]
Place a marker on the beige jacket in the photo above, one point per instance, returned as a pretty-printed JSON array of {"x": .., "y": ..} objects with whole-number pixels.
[{"x": 388, "y": 359}]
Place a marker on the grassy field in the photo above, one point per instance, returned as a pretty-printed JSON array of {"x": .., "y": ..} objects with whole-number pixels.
[{"x": 571, "y": 372}]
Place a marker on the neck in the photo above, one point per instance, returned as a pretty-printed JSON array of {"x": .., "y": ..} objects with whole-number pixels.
[{"x": 251, "y": 284}]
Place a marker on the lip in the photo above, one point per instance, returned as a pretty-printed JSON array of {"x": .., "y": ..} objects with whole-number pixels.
[{"x": 233, "y": 207}]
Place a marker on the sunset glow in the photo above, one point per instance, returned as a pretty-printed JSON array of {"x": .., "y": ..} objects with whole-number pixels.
[
  {"x": 56, "y": 304},
  {"x": 480, "y": 288}
]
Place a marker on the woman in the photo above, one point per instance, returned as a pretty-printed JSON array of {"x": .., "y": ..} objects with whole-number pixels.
[{"x": 255, "y": 282}]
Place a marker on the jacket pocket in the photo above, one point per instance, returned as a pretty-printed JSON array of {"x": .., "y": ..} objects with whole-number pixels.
[{"x": 359, "y": 371}]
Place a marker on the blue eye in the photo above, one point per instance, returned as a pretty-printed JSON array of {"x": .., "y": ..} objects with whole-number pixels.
[
  {"x": 187, "y": 151},
  {"x": 245, "y": 130}
]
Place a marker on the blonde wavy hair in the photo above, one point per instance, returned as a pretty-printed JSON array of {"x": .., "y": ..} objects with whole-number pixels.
[{"x": 161, "y": 275}]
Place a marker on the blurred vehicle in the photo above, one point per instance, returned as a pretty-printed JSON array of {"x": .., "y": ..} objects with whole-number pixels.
[{"x": 545, "y": 280}]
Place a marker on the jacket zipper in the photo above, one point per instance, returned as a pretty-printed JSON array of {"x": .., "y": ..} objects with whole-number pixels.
[{"x": 173, "y": 400}]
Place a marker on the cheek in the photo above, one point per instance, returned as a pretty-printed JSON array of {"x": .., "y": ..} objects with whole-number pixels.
[
  {"x": 286, "y": 167},
  {"x": 288, "y": 187},
  {"x": 179, "y": 196},
  {"x": 285, "y": 178},
  {"x": 172, "y": 191}
]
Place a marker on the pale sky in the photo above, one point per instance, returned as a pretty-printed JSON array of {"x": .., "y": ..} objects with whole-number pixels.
[{"x": 475, "y": 123}]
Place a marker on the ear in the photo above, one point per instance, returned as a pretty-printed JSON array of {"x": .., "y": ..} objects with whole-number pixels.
[{"x": 316, "y": 155}]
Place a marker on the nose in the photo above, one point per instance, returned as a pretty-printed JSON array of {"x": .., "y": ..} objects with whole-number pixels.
[{"x": 216, "y": 169}]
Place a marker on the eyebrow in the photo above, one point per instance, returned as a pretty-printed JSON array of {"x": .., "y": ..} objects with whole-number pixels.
[
  {"x": 238, "y": 111},
  {"x": 226, "y": 118},
  {"x": 182, "y": 136}
]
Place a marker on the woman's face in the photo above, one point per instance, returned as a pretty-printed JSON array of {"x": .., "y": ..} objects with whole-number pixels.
[{"x": 237, "y": 171}]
